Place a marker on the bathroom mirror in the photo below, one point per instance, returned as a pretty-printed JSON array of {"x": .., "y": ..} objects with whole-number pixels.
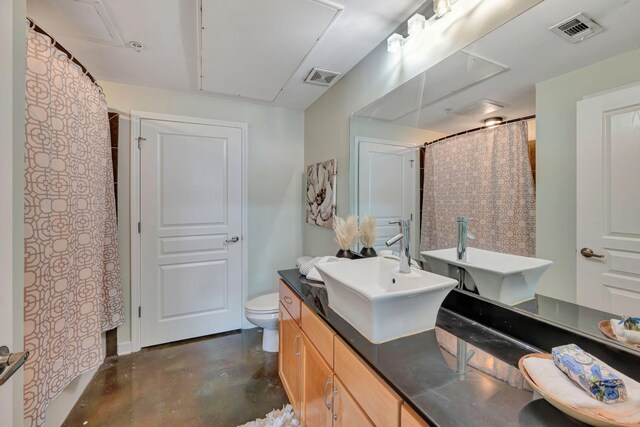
[{"x": 533, "y": 133}]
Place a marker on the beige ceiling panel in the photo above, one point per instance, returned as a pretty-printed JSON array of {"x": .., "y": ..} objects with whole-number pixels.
[
  {"x": 80, "y": 19},
  {"x": 251, "y": 48}
]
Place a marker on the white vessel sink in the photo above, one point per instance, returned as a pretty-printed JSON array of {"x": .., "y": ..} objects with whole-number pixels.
[
  {"x": 381, "y": 303},
  {"x": 507, "y": 278}
]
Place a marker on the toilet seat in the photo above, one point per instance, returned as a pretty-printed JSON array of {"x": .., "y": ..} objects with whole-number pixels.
[{"x": 264, "y": 304}]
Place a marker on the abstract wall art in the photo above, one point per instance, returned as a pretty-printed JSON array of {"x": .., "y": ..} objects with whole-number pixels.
[{"x": 321, "y": 193}]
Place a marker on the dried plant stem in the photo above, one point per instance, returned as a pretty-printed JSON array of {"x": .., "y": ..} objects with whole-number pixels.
[
  {"x": 368, "y": 231},
  {"x": 346, "y": 231}
]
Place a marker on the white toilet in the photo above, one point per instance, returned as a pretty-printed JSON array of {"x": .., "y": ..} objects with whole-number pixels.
[{"x": 262, "y": 311}]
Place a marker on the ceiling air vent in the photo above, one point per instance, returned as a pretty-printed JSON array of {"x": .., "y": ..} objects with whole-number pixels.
[
  {"x": 478, "y": 108},
  {"x": 577, "y": 28},
  {"x": 321, "y": 77}
]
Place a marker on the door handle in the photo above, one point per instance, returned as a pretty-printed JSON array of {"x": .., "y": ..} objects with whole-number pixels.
[
  {"x": 295, "y": 350},
  {"x": 234, "y": 239},
  {"x": 10, "y": 363},
  {"x": 324, "y": 393},
  {"x": 588, "y": 253}
]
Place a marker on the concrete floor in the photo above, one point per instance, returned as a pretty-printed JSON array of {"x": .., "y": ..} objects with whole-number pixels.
[{"x": 223, "y": 380}]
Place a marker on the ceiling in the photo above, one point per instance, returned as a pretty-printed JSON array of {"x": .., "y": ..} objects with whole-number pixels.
[
  {"x": 251, "y": 49},
  {"x": 530, "y": 54}
]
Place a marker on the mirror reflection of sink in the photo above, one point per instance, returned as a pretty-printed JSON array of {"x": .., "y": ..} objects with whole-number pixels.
[
  {"x": 382, "y": 303},
  {"x": 507, "y": 278}
]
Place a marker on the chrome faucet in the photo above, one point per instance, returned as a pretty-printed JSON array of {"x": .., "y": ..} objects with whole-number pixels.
[
  {"x": 461, "y": 249},
  {"x": 405, "y": 233},
  {"x": 463, "y": 234}
]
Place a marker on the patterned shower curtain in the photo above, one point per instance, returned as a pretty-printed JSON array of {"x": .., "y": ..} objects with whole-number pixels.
[
  {"x": 485, "y": 175},
  {"x": 72, "y": 271}
]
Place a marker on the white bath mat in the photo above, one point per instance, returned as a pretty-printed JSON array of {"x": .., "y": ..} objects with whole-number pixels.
[{"x": 284, "y": 417}]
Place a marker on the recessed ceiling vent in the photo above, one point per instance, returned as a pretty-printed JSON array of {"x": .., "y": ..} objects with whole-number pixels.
[
  {"x": 478, "y": 108},
  {"x": 577, "y": 28},
  {"x": 321, "y": 77}
]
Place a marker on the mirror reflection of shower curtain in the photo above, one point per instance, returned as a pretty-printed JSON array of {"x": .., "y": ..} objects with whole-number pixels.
[
  {"x": 72, "y": 274},
  {"x": 485, "y": 175}
]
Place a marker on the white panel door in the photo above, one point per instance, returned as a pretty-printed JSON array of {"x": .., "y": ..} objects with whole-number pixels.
[
  {"x": 190, "y": 210},
  {"x": 387, "y": 176},
  {"x": 608, "y": 201}
]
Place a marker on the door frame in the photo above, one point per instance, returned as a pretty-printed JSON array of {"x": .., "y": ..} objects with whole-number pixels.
[
  {"x": 354, "y": 181},
  {"x": 136, "y": 271}
]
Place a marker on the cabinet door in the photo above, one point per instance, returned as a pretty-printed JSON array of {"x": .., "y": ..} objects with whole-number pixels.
[
  {"x": 290, "y": 360},
  {"x": 318, "y": 386},
  {"x": 346, "y": 412},
  {"x": 408, "y": 418},
  {"x": 378, "y": 400}
]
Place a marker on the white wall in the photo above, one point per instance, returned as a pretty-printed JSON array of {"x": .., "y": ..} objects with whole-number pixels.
[
  {"x": 275, "y": 147},
  {"x": 326, "y": 129},
  {"x": 12, "y": 74},
  {"x": 556, "y": 164}
]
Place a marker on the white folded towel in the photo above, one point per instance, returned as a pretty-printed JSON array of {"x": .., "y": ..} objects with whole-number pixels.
[
  {"x": 555, "y": 383},
  {"x": 623, "y": 334},
  {"x": 302, "y": 260},
  {"x": 309, "y": 270}
]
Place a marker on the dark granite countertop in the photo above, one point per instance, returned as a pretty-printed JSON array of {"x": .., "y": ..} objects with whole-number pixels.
[{"x": 422, "y": 368}]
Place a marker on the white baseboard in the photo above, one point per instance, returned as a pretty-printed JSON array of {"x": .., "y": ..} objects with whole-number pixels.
[{"x": 124, "y": 348}]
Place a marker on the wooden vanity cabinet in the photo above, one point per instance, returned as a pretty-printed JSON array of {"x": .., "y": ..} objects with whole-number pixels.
[
  {"x": 408, "y": 418},
  {"x": 374, "y": 395},
  {"x": 317, "y": 388},
  {"x": 328, "y": 384},
  {"x": 318, "y": 333},
  {"x": 346, "y": 411},
  {"x": 290, "y": 358},
  {"x": 290, "y": 301}
]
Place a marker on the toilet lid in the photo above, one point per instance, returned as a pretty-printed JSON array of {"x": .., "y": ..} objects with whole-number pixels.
[{"x": 268, "y": 302}]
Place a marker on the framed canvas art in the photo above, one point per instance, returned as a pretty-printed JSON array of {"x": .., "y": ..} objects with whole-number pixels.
[{"x": 321, "y": 193}]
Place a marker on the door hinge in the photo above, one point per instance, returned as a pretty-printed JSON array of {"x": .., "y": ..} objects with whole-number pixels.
[
  {"x": 140, "y": 139},
  {"x": 139, "y": 311},
  {"x": 139, "y": 228}
]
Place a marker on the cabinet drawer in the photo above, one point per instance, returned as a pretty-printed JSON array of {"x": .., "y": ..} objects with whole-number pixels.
[
  {"x": 318, "y": 333},
  {"x": 290, "y": 301},
  {"x": 408, "y": 418},
  {"x": 376, "y": 398}
]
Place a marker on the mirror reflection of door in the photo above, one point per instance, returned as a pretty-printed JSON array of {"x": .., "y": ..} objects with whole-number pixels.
[
  {"x": 387, "y": 175},
  {"x": 530, "y": 69},
  {"x": 608, "y": 200}
]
